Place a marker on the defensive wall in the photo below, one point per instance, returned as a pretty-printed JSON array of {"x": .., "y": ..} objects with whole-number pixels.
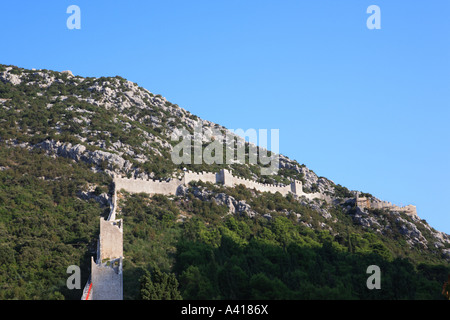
[
  {"x": 111, "y": 239},
  {"x": 148, "y": 186},
  {"x": 201, "y": 176},
  {"x": 223, "y": 177},
  {"x": 369, "y": 203},
  {"x": 106, "y": 280}
]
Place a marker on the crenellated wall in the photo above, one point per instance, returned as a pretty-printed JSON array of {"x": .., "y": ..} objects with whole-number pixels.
[
  {"x": 224, "y": 177},
  {"x": 317, "y": 195},
  {"x": 111, "y": 239},
  {"x": 364, "y": 202},
  {"x": 148, "y": 186},
  {"x": 107, "y": 280},
  {"x": 231, "y": 181},
  {"x": 202, "y": 176}
]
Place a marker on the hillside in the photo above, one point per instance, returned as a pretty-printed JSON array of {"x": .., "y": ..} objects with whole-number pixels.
[{"x": 63, "y": 137}]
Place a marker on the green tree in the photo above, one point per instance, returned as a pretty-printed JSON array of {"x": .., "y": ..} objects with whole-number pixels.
[{"x": 159, "y": 286}]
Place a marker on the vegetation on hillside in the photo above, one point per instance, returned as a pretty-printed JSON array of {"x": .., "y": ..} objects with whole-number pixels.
[
  {"x": 178, "y": 247},
  {"x": 44, "y": 226},
  {"x": 215, "y": 255}
]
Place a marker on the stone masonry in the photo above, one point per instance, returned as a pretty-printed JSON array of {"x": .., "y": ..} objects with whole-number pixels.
[
  {"x": 369, "y": 203},
  {"x": 224, "y": 177},
  {"x": 106, "y": 281}
]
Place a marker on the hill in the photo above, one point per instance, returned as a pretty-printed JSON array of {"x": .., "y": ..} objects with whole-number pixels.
[{"x": 63, "y": 137}]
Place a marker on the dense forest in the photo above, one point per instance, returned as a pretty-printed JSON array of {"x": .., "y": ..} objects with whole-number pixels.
[
  {"x": 188, "y": 246},
  {"x": 215, "y": 255},
  {"x": 44, "y": 225},
  {"x": 196, "y": 246}
]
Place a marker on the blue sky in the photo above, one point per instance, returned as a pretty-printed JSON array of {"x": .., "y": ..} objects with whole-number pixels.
[{"x": 368, "y": 109}]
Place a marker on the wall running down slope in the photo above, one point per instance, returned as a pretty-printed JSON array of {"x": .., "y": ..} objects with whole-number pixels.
[
  {"x": 106, "y": 280},
  {"x": 224, "y": 177},
  {"x": 227, "y": 179}
]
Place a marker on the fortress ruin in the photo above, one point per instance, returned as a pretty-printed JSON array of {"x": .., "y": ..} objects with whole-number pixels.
[
  {"x": 223, "y": 177},
  {"x": 372, "y": 203},
  {"x": 106, "y": 280}
]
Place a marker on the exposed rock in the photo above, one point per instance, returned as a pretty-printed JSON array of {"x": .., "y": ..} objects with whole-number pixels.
[
  {"x": 136, "y": 109},
  {"x": 446, "y": 253},
  {"x": 103, "y": 198},
  {"x": 242, "y": 206},
  {"x": 323, "y": 212},
  {"x": 79, "y": 153},
  {"x": 224, "y": 199},
  {"x": 182, "y": 190},
  {"x": 364, "y": 219},
  {"x": 68, "y": 72},
  {"x": 11, "y": 78}
]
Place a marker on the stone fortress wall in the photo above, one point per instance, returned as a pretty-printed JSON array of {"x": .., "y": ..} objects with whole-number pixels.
[
  {"x": 200, "y": 176},
  {"x": 148, "y": 186},
  {"x": 111, "y": 239},
  {"x": 369, "y": 203},
  {"x": 224, "y": 177},
  {"x": 106, "y": 281}
]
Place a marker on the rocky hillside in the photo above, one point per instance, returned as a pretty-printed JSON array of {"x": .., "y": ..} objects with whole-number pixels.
[{"x": 117, "y": 127}]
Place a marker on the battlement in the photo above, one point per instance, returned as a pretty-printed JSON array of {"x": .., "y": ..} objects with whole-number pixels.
[
  {"x": 107, "y": 280},
  {"x": 369, "y": 203},
  {"x": 202, "y": 176},
  {"x": 224, "y": 177},
  {"x": 227, "y": 179},
  {"x": 148, "y": 186},
  {"x": 111, "y": 239}
]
